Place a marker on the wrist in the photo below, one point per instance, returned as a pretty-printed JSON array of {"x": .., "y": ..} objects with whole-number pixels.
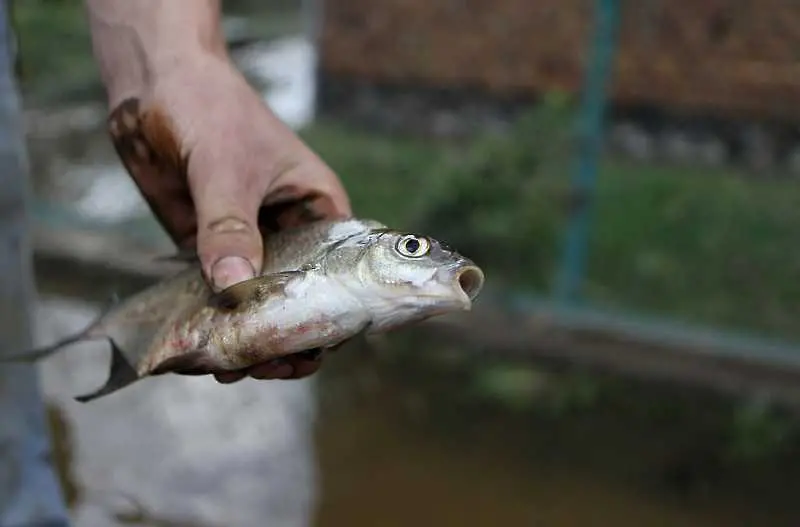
[
  {"x": 138, "y": 43},
  {"x": 122, "y": 83}
]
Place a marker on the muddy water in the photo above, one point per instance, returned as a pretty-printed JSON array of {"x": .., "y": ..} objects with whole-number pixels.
[
  {"x": 378, "y": 472},
  {"x": 427, "y": 450}
]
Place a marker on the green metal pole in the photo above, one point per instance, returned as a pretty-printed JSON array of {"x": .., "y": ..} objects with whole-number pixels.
[{"x": 590, "y": 140}]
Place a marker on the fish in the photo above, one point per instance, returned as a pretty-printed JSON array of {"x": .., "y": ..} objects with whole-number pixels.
[{"x": 321, "y": 284}]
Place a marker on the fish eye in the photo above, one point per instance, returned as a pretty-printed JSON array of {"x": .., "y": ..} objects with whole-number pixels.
[{"x": 413, "y": 246}]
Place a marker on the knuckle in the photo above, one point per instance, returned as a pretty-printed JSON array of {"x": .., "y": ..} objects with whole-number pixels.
[{"x": 228, "y": 224}]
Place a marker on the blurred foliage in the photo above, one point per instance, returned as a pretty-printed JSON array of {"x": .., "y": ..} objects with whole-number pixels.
[
  {"x": 517, "y": 388},
  {"x": 503, "y": 201},
  {"x": 490, "y": 197},
  {"x": 709, "y": 247},
  {"x": 758, "y": 430},
  {"x": 56, "y": 63},
  {"x": 524, "y": 388}
]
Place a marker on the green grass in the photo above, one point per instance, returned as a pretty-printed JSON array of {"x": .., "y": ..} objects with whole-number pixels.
[
  {"x": 55, "y": 50},
  {"x": 708, "y": 246},
  {"x": 386, "y": 178},
  {"x": 705, "y": 246}
]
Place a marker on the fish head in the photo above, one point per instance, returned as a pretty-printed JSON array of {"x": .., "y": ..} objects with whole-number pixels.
[{"x": 403, "y": 277}]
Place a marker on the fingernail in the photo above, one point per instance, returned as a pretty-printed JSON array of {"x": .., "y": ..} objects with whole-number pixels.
[{"x": 231, "y": 270}]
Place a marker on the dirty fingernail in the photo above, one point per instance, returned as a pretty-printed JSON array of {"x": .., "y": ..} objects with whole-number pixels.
[{"x": 231, "y": 270}]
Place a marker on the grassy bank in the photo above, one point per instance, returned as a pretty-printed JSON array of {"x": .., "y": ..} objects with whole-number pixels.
[{"x": 707, "y": 246}]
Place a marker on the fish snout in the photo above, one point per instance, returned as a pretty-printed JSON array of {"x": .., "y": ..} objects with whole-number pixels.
[{"x": 469, "y": 279}]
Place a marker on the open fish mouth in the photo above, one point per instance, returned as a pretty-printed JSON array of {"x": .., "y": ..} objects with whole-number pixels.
[{"x": 470, "y": 280}]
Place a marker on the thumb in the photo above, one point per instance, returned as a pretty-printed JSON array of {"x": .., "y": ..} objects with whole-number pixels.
[{"x": 229, "y": 243}]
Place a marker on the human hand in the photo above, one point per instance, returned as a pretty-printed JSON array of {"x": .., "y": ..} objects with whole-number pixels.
[{"x": 210, "y": 159}]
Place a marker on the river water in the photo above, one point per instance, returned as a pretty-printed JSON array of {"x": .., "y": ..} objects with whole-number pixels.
[{"x": 394, "y": 443}]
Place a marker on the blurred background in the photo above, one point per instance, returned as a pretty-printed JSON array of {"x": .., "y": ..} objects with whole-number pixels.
[{"x": 626, "y": 172}]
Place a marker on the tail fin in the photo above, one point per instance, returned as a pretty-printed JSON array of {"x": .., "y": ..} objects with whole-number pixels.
[
  {"x": 120, "y": 375},
  {"x": 32, "y": 355}
]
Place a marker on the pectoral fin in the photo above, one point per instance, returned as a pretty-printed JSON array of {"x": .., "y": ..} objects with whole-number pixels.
[
  {"x": 121, "y": 374},
  {"x": 255, "y": 290}
]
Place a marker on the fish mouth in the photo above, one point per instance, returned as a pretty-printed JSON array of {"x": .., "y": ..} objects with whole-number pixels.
[{"x": 469, "y": 280}]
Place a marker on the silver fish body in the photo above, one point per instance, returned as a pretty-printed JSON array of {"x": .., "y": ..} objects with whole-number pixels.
[{"x": 320, "y": 285}]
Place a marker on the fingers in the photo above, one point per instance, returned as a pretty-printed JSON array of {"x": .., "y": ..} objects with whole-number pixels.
[
  {"x": 296, "y": 366},
  {"x": 275, "y": 369},
  {"x": 228, "y": 244},
  {"x": 313, "y": 182},
  {"x": 226, "y": 200},
  {"x": 305, "y": 367},
  {"x": 290, "y": 367},
  {"x": 229, "y": 377}
]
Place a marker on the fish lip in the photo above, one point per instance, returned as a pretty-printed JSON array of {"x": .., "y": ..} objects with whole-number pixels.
[{"x": 469, "y": 280}]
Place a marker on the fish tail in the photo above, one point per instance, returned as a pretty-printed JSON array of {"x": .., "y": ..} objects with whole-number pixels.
[
  {"x": 35, "y": 354},
  {"x": 32, "y": 355},
  {"x": 120, "y": 375}
]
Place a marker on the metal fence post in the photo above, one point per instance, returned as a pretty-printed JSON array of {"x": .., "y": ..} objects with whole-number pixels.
[{"x": 590, "y": 140}]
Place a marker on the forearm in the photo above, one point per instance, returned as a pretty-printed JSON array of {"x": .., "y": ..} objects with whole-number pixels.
[{"x": 137, "y": 41}]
